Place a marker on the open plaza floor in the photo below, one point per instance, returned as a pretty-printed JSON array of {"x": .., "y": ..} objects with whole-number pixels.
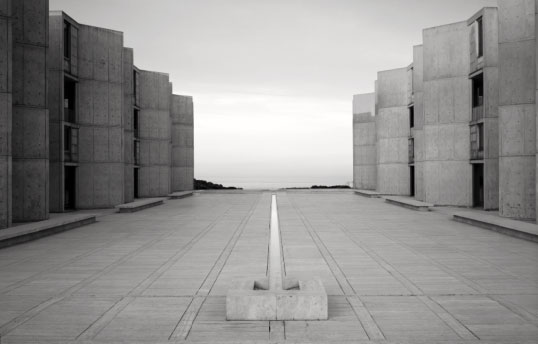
[{"x": 161, "y": 275}]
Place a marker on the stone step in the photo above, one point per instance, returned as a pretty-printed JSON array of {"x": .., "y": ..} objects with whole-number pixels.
[
  {"x": 368, "y": 193},
  {"x": 408, "y": 203},
  {"x": 180, "y": 194},
  {"x": 515, "y": 228},
  {"x": 140, "y": 204},
  {"x": 35, "y": 230}
]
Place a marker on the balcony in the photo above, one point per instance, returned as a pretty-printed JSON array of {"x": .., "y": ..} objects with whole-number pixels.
[
  {"x": 478, "y": 113},
  {"x": 477, "y": 142}
]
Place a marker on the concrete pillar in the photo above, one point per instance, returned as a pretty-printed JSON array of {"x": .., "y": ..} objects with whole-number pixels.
[
  {"x": 5, "y": 112},
  {"x": 182, "y": 143},
  {"x": 392, "y": 132},
  {"x": 128, "y": 137},
  {"x": 100, "y": 171},
  {"x": 155, "y": 135},
  {"x": 364, "y": 142},
  {"x": 517, "y": 109},
  {"x": 418, "y": 130},
  {"x": 447, "y": 111},
  {"x": 30, "y": 136}
]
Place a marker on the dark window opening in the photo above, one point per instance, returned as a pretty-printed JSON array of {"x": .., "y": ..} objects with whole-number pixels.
[
  {"x": 412, "y": 180},
  {"x": 412, "y": 117},
  {"x": 69, "y": 187},
  {"x": 480, "y": 42},
  {"x": 136, "y": 195},
  {"x": 70, "y": 96},
  {"x": 478, "y": 90},
  {"x": 67, "y": 40},
  {"x": 478, "y": 185},
  {"x": 136, "y": 123},
  {"x": 411, "y": 151},
  {"x": 136, "y": 152},
  {"x": 136, "y": 87},
  {"x": 477, "y": 141},
  {"x": 480, "y": 137}
]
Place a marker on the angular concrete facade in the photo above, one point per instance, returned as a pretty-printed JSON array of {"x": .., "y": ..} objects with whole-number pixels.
[
  {"x": 155, "y": 134},
  {"x": 447, "y": 112},
  {"x": 30, "y": 136},
  {"x": 100, "y": 172},
  {"x": 364, "y": 142},
  {"x": 128, "y": 124},
  {"x": 182, "y": 111},
  {"x": 416, "y": 109},
  {"x": 517, "y": 108},
  {"x": 6, "y": 48},
  {"x": 484, "y": 76},
  {"x": 392, "y": 133}
]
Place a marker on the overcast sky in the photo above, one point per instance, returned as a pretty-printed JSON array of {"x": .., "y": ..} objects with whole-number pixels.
[{"x": 272, "y": 80}]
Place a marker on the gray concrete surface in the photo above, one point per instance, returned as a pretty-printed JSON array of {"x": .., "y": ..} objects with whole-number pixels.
[
  {"x": 155, "y": 134},
  {"x": 128, "y": 124},
  {"x": 182, "y": 168},
  {"x": 161, "y": 275},
  {"x": 418, "y": 131},
  {"x": 6, "y": 95},
  {"x": 447, "y": 173},
  {"x": 517, "y": 109},
  {"x": 364, "y": 142},
  {"x": 392, "y": 133}
]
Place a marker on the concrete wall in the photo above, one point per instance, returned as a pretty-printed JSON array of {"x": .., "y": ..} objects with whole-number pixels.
[
  {"x": 100, "y": 173},
  {"x": 392, "y": 132},
  {"x": 364, "y": 142},
  {"x": 447, "y": 110},
  {"x": 30, "y": 136},
  {"x": 182, "y": 143},
  {"x": 128, "y": 133},
  {"x": 155, "y": 134},
  {"x": 488, "y": 63},
  {"x": 418, "y": 130},
  {"x": 517, "y": 108},
  {"x": 5, "y": 112}
]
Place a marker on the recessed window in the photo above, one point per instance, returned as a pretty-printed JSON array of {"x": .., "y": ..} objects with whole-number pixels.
[
  {"x": 478, "y": 90},
  {"x": 70, "y": 96},
  {"x": 67, "y": 40},
  {"x": 480, "y": 38},
  {"x": 136, "y": 123},
  {"x": 412, "y": 117}
]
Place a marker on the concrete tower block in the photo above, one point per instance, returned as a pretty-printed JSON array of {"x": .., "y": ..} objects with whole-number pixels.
[
  {"x": 364, "y": 142},
  {"x": 447, "y": 173},
  {"x": 30, "y": 134},
  {"x": 392, "y": 132},
  {"x": 5, "y": 113},
  {"x": 182, "y": 143},
  {"x": 128, "y": 136},
  {"x": 517, "y": 109},
  {"x": 101, "y": 171},
  {"x": 155, "y": 134}
]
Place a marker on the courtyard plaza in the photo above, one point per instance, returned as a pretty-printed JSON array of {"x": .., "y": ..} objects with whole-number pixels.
[{"x": 161, "y": 275}]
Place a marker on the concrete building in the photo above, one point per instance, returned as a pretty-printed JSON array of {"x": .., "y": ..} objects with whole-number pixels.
[
  {"x": 517, "y": 109},
  {"x": 471, "y": 103},
  {"x": 392, "y": 133},
  {"x": 86, "y": 153},
  {"x": 24, "y": 115},
  {"x": 182, "y": 143},
  {"x": 364, "y": 142}
]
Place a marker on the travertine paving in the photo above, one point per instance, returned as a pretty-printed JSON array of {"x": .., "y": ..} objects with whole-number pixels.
[{"x": 161, "y": 275}]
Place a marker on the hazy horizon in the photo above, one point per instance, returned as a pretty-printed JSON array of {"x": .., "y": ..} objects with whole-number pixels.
[{"x": 272, "y": 81}]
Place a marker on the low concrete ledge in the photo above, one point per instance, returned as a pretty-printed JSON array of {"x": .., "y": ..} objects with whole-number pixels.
[
  {"x": 180, "y": 194},
  {"x": 408, "y": 203},
  {"x": 139, "y": 204},
  {"x": 35, "y": 230},
  {"x": 518, "y": 229},
  {"x": 368, "y": 193}
]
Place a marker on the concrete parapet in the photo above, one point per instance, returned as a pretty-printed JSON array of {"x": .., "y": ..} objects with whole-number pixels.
[
  {"x": 182, "y": 143},
  {"x": 364, "y": 142}
]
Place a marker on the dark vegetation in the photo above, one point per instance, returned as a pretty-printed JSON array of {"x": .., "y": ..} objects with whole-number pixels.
[
  {"x": 322, "y": 187},
  {"x": 205, "y": 185}
]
